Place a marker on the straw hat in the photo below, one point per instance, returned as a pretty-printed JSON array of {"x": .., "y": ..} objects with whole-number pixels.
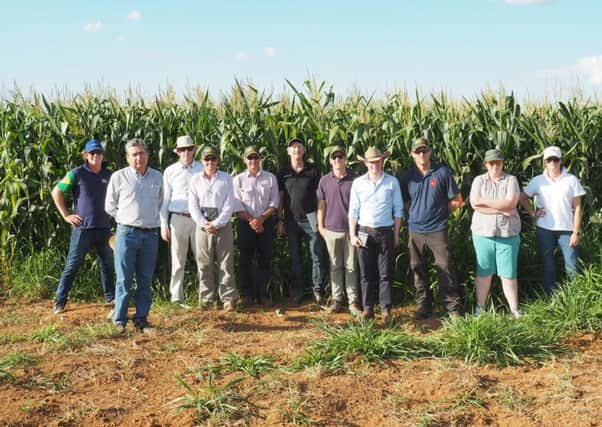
[{"x": 373, "y": 154}]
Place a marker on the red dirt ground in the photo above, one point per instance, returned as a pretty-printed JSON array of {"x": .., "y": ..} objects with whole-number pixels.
[{"x": 95, "y": 378}]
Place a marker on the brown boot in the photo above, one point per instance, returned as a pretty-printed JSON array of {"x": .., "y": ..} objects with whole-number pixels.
[{"x": 335, "y": 307}]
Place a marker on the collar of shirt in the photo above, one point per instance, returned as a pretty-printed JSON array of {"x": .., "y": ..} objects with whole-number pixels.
[
  {"x": 503, "y": 177},
  {"x": 368, "y": 180},
  {"x": 250, "y": 175},
  {"x": 183, "y": 166}
]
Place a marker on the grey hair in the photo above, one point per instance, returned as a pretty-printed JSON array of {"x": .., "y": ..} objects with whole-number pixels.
[{"x": 135, "y": 142}]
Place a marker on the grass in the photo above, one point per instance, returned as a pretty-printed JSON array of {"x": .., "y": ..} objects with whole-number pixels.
[
  {"x": 364, "y": 342},
  {"x": 13, "y": 360},
  {"x": 251, "y": 365},
  {"x": 494, "y": 338},
  {"x": 294, "y": 412},
  {"x": 213, "y": 402}
]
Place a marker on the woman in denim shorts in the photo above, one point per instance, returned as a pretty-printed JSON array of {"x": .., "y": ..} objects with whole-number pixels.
[{"x": 496, "y": 230}]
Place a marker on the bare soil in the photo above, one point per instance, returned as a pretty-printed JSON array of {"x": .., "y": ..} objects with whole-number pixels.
[{"x": 94, "y": 378}]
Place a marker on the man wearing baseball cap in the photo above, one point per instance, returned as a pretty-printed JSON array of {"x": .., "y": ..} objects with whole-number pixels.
[
  {"x": 177, "y": 226},
  {"x": 558, "y": 211},
  {"x": 430, "y": 193},
  {"x": 257, "y": 195},
  {"x": 297, "y": 182},
  {"x": 90, "y": 224},
  {"x": 211, "y": 203}
]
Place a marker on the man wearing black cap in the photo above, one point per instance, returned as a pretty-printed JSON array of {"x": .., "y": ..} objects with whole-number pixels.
[
  {"x": 256, "y": 191},
  {"x": 298, "y": 182},
  {"x": 90, "y": 225},
  {"x": 430, "y": 193}
]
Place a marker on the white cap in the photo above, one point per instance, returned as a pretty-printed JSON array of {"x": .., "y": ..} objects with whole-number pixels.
[{"x": 552, "y": 151}]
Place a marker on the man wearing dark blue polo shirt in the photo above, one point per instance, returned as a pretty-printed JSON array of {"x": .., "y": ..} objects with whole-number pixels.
[
  {"x": 430, "y": 193},
  {"x": 89, "y": 221}
]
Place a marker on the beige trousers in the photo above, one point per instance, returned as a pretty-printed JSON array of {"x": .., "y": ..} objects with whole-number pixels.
[
  {"x": 216, "y": 251},
  {"x": 343, "y": 266},
  {"x": 182, "y": 229}
]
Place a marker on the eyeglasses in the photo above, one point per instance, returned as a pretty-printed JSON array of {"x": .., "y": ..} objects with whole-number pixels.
[
  {"x": 552, "y": 159},
  {"x": 421, "y": 151},
  {"x": 253, "y": 157},
  {"x": 210, "y": 159},
  {"x": 182, "y": 149},
  {"x": 337, "y": 156},
  {"x": 95, "y": 152}
]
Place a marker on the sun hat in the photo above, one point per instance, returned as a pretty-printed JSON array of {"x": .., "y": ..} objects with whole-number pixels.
[
  {"x": 184, "y": 141},
  {"x": 373, "y": 154},
  {"x": 552, "y": 151}
]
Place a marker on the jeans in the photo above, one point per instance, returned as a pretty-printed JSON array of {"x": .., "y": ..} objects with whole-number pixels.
[
  {"x": 449, "y": 291},
  {"x": 255, "y": 246},
  {"x": 135, "y": 252},
  {"x": 295, "y": 230},
  {"x": 376, "y": 266},
  {"x": 82, "y": 240},
  {"x": 547, "y": 240}
]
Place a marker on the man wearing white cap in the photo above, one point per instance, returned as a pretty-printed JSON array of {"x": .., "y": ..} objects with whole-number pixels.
[
  {"x": 177, "y": 227},
  {"x": 558, "y": 199}
]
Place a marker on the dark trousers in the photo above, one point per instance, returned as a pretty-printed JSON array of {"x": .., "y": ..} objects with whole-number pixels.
[
  {"x": 82, "y": 241},
  {"x": 295, "y": 231},
  {"x": 438, "y": 243},
  {"x": 255, "y": 246},
  {"x": 376, "y": 266}
]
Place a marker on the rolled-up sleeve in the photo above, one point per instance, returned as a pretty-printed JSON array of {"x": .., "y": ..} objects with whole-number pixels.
[
  {"x": 274, "y": 193},
  {"x": 397, "y": 200},
  {"x": 112, "y": 197}
]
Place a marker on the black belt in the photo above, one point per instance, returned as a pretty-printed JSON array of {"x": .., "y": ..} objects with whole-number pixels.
[
  {"x": 181, "y": 214},
  {"x": 373, "y": 229}
]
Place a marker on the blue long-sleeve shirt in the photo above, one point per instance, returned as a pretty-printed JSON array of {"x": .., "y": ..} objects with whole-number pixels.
[{"x": 375, "y": 204}]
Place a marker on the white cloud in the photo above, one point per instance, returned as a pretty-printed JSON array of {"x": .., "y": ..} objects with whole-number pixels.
[
  {"x": 241, "y": 56},
  {"x": 269, "y": 51},
  {"x": 135, "y": 16},
  {"x": 591, "y": 68},
  {"x": 120, "y": 38},
  {"x": 93, "y": 27},
  {"x": 521, "y": 2}
]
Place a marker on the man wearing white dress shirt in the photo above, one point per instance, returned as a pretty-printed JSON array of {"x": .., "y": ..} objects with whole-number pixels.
[
  {"x": 177, "y": 226},
  {"x": 211, "y": 203}
]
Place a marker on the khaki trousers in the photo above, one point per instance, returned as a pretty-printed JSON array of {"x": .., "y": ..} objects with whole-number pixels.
[
  {"x": 216, "y": 251},
  {"x": 343, "y": 266},
  {"x": 182, "y": 230}
]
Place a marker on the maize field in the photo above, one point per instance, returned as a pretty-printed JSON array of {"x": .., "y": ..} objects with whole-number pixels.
[{"x": 41, "y": 139}]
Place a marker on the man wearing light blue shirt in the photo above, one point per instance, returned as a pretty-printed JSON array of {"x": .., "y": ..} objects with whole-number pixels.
[{"x": 375, "y": 212}]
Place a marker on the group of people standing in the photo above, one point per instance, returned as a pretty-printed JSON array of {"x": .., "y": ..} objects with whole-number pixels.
[{"x": 352, "y": 221}]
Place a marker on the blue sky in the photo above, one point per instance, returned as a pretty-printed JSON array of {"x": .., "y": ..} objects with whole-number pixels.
[{"x": 537, "y": 48}]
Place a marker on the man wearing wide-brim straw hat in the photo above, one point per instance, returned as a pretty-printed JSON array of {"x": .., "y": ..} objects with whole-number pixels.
[
  {"x": 430, "y": 193},
  {"x": 177, "y": 226},
  {"x": 375, "y": 212}
]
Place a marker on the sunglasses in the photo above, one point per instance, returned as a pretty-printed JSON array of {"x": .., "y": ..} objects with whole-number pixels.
[
  {"x": 552, "y": 159},
  {"x": 421, "y": 151},
  {"x": 337, "y": 156},
  {"x": 210, "y": 159},
  {"x": 253, "y": 157},
  {"x": 96, "y": 152},
  {"x": 182, "y": 149}
]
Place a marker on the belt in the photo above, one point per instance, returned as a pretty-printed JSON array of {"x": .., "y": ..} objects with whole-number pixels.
[
  {"x": 186, "y": 214},
  {"x": 372, "y": 229},
  {"x": 143, "y": 229}
]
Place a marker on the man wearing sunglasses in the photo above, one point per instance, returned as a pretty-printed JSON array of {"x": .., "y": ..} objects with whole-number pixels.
[
  {"x": 558, "y": 199},
  {"x": 90, "y": 224},
  {"x": 256, "y": 191},
  {"x": 297, "y": 183},
  {"x": 211, "y": 203},
  {"x": 177, "y": 226},
  {"x": 333, "y": 211},
  {"x": 430, "y": 193}
]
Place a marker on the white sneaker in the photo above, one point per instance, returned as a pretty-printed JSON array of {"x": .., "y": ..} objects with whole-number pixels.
[
  {"x": 478, "y": 310},
  {"x": 516, "y": 313}
]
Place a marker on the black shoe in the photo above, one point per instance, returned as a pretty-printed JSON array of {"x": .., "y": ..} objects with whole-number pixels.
[
  {"x": 59, "y": 307},
  {"x": 144, "y": 327},
  {"x": 296, "y": 299},
  {"x": 336, "y": 307},
  {"x": 368, "y": 314},
  {"x": 423, "y": 313}
]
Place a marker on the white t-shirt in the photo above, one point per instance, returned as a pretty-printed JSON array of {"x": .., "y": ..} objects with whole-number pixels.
[{"x": 556, "y": 198}]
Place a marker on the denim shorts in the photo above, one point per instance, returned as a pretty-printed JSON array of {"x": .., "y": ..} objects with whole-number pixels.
[{"x": 497, "y": 255}]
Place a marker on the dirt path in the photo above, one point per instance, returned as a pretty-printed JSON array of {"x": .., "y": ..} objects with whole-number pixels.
[{"x": 73, "y": 369}]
